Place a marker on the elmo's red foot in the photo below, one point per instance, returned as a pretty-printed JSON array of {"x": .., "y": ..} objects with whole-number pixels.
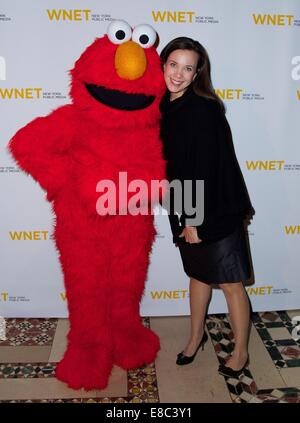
[
  {"x": 135, "y": 348},
  {"x": 85, "y": 368}
]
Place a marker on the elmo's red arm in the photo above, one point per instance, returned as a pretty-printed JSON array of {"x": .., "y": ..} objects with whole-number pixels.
[{"x": 41, "y": 148}]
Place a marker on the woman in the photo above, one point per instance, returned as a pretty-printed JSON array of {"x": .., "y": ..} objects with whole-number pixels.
[{"x": 198, "y": 146}]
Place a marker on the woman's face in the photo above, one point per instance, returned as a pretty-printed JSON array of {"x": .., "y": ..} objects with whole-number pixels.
[{"x": 180, "y": 71}]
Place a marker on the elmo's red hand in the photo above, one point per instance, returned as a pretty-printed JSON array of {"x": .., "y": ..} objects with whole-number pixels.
[{"x": 41, "y": 149}]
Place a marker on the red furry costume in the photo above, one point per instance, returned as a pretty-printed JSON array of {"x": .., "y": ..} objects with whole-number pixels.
[{"x": 111, "y": 126}]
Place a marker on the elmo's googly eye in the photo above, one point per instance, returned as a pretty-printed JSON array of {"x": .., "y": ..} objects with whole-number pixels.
[
  {"x": 119, "y": 32},
  {"x": 144, "y": 35}
]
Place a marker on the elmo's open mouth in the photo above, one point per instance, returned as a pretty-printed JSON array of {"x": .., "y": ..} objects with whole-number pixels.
[{"x": 118, "y": 99}]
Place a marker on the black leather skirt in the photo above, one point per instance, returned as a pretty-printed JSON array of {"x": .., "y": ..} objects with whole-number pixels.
[{"x": 223, "y": 261}]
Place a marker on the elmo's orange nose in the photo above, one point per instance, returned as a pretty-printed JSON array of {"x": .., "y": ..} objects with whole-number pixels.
[{"x": 130, "y": 60}]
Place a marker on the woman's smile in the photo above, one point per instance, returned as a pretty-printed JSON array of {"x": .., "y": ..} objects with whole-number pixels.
[
  {"x": 176, "y": 82},
  {"x": 180, "y": 71}
]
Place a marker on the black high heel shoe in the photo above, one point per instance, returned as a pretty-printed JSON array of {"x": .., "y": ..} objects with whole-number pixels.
[
  {"x": 185, "y": 359},
  {"x": 229, "y": 372}
]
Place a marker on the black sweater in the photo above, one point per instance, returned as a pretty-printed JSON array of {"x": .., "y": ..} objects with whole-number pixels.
[{"x": 197, "y": 144}]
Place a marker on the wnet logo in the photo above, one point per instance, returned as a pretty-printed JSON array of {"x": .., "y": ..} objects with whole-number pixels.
[
  {"x": 274, "y": 20},
  {"x": 292, "y": 229},
  {"x": 169, "y": 295},
  {"x": 20, "y": 93},
  {"x": 172, "y": 16},
  {"x": 28, "y": 235},
  {"x": 265, "y": 164},
  {"x": 71, "y": 15},
  {"x": 259, "y": 290},
  {"x": 63, "y": 296},
  {"x": 229, "y": 93},
  {"x": 3, "y": 296}
]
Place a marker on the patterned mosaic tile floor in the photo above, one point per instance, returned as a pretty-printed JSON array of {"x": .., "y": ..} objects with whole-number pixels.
[
  {"x": 141, "y": 383},
  {"x": 273, "y": 328},
  {"x": 29, "y": 332},
  {"x": 283, "y": 352}
]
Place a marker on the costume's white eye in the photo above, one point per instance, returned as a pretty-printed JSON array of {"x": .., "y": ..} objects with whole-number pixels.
[
  {"x": 144, "y": 35},
  {"x": 119, "y": 32}
]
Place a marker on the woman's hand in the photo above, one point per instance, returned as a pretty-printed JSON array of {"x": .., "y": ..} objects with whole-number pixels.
[{"x": 191, "y": 235}]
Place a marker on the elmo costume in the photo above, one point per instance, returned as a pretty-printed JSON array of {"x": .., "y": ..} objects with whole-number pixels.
[{"x": 111, "y": 126}]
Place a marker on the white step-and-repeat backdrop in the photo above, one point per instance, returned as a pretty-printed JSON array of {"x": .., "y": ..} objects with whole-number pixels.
[{"x": 254, "y": 48}]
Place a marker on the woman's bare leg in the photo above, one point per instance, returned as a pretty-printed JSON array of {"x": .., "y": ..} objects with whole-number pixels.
[
  {"x": 200, "y": 294},
  {"x": 239, "y": 313}
]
